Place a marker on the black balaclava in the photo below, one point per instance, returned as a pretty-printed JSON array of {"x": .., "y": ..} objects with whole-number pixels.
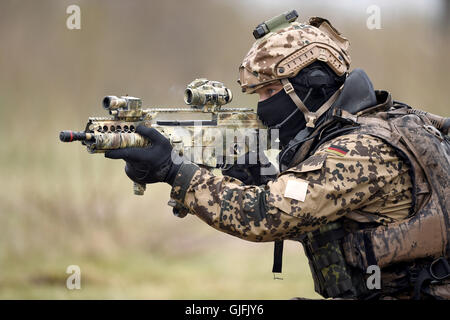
[{"x": 314, "y": 85}]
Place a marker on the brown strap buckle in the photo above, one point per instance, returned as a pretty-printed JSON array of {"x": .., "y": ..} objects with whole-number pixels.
[
  {"x": 288, "y": 88},
  {"x": 311, "y": 120}
]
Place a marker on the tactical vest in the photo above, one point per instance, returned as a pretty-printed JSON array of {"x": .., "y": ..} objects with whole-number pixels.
[{"x": 340, "y": 254}]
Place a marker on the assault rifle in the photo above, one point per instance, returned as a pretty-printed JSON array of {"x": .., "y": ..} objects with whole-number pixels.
[{"x": 205, "y": 133}]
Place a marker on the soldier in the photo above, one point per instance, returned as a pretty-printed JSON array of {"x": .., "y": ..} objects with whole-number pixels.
[{"x": 364, "y": 180}]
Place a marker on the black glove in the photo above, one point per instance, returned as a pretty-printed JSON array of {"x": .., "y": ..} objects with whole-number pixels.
[
  {"x": 252, "y": 174},
  {"x": 150, "y": 164}
]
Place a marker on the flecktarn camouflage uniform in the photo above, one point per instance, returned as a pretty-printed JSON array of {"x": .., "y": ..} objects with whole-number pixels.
[{"x": 352, "y": 173}]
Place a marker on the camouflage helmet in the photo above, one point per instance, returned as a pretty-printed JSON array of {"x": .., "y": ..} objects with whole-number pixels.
[{"x": 284, "y": 52}]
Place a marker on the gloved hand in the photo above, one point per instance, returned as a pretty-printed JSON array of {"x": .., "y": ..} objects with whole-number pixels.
[
  {"x": 150, "y": 164},
  {"x": 252, "y": 174}
]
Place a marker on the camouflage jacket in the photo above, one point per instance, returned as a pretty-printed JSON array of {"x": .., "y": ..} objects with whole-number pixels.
[{"x": 354, "y": 175}]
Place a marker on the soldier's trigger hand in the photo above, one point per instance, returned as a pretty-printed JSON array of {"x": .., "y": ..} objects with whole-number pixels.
[
  {"x": 251, "y": 173},
  {"x": 150, "y": 164}
]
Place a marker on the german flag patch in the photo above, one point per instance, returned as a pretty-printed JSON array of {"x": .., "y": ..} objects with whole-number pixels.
[{"x": 337, "y": 150}]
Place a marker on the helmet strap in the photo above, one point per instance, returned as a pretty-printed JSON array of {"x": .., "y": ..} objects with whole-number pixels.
[
  {"x": 278, "y": 126},
  {"x": 310, "y": 117}
]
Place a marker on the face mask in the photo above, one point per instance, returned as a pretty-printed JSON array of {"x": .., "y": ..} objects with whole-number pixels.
[{"x": 274, "y": 113}]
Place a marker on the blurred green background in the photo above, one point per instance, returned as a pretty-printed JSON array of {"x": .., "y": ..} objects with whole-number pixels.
[{"x": 60, "y": 206}]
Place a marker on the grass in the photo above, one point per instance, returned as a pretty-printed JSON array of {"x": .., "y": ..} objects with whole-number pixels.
[{"x": 222, "y": 273}]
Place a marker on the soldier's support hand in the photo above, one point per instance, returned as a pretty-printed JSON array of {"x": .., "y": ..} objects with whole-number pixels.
[
  {"x": 150, "y": 164},
  {"x": 252, "y": 174}
]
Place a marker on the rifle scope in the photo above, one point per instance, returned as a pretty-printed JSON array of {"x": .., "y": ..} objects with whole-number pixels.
[
  {"x": 202, "y": 92},
  {"x": 113, "y": 103}
]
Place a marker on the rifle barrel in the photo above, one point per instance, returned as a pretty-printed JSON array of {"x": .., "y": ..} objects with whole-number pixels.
[{"x": 69, "y": 136}]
